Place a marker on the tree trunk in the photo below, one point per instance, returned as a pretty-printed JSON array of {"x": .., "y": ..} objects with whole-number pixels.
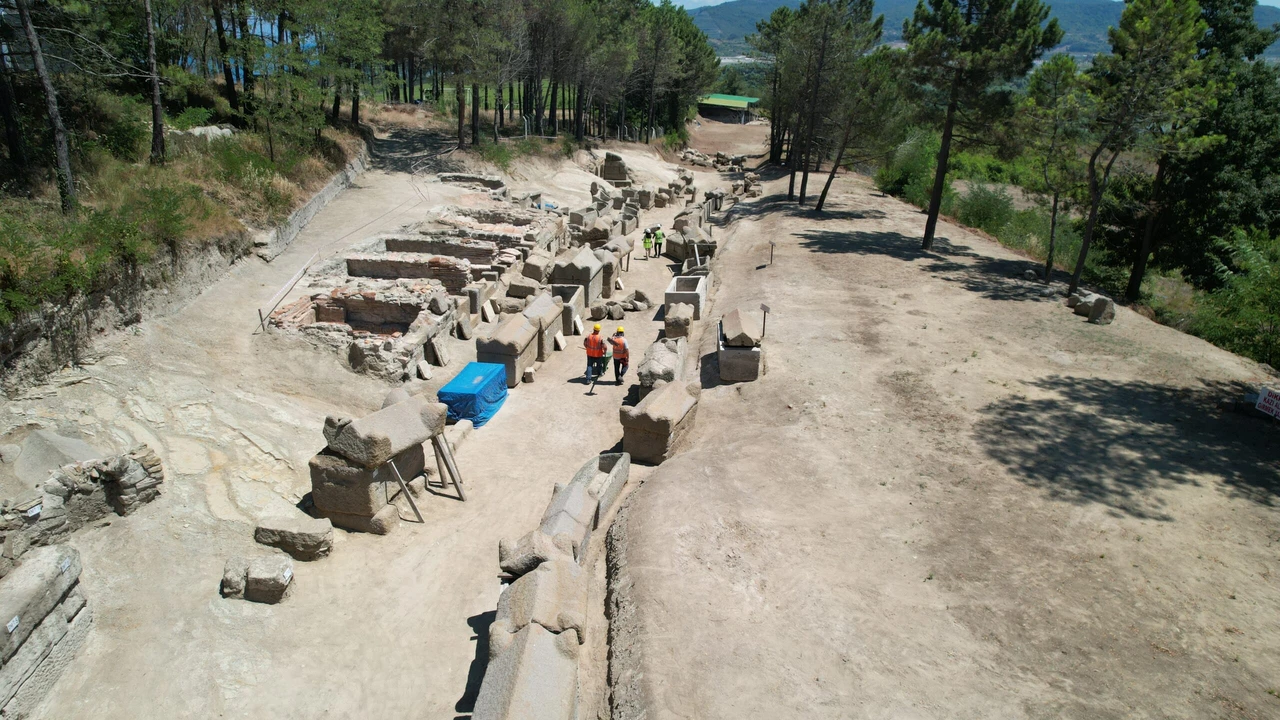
[
  {"x": 775, "y": 124},
  {"x": 228, "y": 75},
  {"x": 844, "y": 142},
  {"x": 337, "y": 99},
  {"x": 579, "y": 115},
  {"x": 555, "y": 96},
  {"x": 1096, "y": 188},
  {"x": 944, "y": 157},
  {"x": 66, "y": 183},
  {"x": 791, "y": 160},
  {"x": 461, "y": 98},
  {"x": 1133, "y": 291},
  {"x": 653, "y": 92},
  {"x": 157, "y": 110},
  {"x": 355, "y": 102},
  {"x": 1053, "y": 237},
  {"x": 475, "y": 114},
  {"x": 246, "y": 58},
  {"x": 12, "y": 130}
]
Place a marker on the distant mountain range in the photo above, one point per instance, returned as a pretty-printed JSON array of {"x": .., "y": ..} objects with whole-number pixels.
[{"x": 1084, "y": 22}]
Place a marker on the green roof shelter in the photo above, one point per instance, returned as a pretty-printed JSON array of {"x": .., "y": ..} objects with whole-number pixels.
[{"x": 739, "y": 107}]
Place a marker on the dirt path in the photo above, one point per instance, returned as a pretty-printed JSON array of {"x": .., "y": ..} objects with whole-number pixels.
[
  {"x": 951, "y": 497},
  {"x": 386, "y": 625}
]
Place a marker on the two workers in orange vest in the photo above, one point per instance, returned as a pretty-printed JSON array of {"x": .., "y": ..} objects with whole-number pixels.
[{"x": 599, "y": 349}]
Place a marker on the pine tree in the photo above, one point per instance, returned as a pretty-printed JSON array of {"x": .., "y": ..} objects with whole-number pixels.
[
  {"x": 961, "y": 51},
  {"x": 1150, "y": 81}
]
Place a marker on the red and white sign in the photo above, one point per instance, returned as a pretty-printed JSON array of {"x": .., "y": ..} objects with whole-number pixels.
[{"x": 1269, "y": 402}]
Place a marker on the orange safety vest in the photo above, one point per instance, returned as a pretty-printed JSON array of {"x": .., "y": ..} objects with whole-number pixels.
[
  {"x": 595, "y": 345},
  {"x": 620, "y": 349}
]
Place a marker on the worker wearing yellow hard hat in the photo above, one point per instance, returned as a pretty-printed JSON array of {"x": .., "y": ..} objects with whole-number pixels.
[
  {"x": 621, "y": 354},
  {"x": 596, "y": 348}
]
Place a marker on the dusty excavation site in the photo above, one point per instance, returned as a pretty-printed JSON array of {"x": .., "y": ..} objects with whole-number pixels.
[{"x": 842, "y": 477}]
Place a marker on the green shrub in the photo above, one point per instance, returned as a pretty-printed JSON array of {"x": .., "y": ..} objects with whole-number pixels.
[
  {"x": 120, "y": 123},
  {"x": 968, "y": 165},
  {"x": 182, "y": 89},
  {"x": 498, "y": 154},
  {"x": 1243, "y": 315},
  {"x": 909, "y": 174},
  {"x": 676, "y": 138},
  {"x": 986, "y": 208},
  {"x": 192, "y": 117}
]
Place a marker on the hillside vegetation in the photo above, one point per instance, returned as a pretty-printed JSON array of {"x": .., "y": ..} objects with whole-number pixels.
[
  {"x": 1154, "y": 170},
  {"x": 1084, "y": 22},
  {"x": 100, "y": 176}
]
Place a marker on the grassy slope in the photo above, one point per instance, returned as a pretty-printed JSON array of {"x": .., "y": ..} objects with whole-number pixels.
[{"x": 131, "y": 211}]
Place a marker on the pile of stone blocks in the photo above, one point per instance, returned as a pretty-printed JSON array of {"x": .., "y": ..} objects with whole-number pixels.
[
  {"x": 540, "y": 622},
  {"x": 740, "y": 355},
  {"x": 267, "y": 579},
  {"x": 658, "y": 427},
  {"x": 47, "y": 618},
  {"x": 714, "y": 199},
  {"x": 348, "y": 477},
  {"x": 514, "y": 345},
  {"x": 616, "y": 308},
  {"x": 663, "y": 362},
  {"x": 688, "y": 290},
  {"x": 74, "y": 496},
  {"x": 695, "y": 157},
  {"x": 1098, "y": 309}
]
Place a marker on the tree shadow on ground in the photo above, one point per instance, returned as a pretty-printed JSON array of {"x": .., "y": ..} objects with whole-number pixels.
[
  {"x": 993, "y": 278},
  {"x": 415, "y": 150},
  {"x": 1121, "y": 443},
  {"x": 475, "y": 674},
  {"x": 777, "y": 204}
]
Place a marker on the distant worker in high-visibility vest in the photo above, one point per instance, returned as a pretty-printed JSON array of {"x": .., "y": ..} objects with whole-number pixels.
[
  {"x": 648, "y": 244},
  {"x": 658, "y": 237},
  {"x": 596, "y": 349},
  {"x": 621, "y": 354}
]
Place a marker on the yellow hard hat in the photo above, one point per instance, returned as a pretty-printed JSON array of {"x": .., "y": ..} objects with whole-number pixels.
[
  {"x": 620, "y": 328},
  {"x": 597, "y": 327}
]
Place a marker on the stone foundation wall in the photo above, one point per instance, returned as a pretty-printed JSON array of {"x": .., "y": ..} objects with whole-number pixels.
[{"x": 76, "y": 495}]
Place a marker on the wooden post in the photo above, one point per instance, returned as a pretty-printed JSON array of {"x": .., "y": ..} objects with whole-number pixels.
[{"x": 405, "y": 489}]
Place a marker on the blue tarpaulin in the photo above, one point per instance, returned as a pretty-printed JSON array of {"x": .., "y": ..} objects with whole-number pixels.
[{"x": 476, "y": 394}]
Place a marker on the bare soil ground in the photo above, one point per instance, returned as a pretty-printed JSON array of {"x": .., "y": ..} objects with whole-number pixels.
[
  {"x": 948, "y": 498},
  {"x": 394, "y": 626}
]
